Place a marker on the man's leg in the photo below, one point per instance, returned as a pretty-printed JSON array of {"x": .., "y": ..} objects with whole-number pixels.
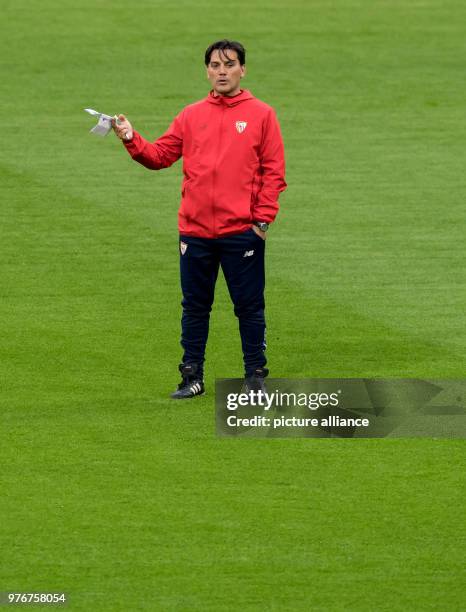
[
  {"x": 198, "y": 270},
  {"x": 242, "y": 260}
]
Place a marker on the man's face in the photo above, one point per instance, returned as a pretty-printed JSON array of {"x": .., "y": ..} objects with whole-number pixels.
[{"x": 224, "y": 72}]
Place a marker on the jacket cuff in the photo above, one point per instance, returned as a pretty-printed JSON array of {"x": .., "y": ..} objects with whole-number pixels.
[
  {"x": 132, "y": 146},
  {"x": 265, "y": 214}
]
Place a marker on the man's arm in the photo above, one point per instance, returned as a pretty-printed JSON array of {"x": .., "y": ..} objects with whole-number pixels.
[
  {"x": 162, "y": 153},
  {"x": 272, "y": 161}
]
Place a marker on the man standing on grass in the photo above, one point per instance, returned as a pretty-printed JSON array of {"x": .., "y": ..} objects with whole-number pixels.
[{"x": 234, "y": 171}]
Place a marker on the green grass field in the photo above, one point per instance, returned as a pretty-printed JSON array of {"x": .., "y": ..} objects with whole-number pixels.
[{"x": 112, "y": 493}]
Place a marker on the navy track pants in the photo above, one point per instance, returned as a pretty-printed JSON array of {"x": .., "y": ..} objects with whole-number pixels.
[{"x": 242, "y": 259}]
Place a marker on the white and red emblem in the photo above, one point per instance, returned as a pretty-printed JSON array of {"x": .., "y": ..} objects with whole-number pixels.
[
  {"x": 183, "y": 247},
  {"x": 241, "y": 126}
]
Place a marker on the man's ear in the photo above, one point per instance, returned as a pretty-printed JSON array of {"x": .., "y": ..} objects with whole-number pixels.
[{"x": 244, "y": 71}]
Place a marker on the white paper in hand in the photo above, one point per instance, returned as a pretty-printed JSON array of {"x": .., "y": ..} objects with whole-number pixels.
[{"x": 104, "y": 124}]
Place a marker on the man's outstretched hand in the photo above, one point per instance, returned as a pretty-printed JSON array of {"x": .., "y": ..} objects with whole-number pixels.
[{"x": 122, "y": 127}]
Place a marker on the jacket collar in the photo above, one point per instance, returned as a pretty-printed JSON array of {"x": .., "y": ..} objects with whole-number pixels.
[{"x": 243, "y": 95}]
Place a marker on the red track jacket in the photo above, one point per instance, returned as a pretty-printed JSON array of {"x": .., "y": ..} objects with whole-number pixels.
[{"x": 233, "y": 163}]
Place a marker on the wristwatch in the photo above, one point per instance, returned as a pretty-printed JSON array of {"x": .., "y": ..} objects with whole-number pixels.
[{"x": 262, "y": 225}]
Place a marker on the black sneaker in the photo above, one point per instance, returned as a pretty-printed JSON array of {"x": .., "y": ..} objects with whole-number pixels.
[
  {"x": 191, "y": 384},
  {"x": 255, "y": 382}
]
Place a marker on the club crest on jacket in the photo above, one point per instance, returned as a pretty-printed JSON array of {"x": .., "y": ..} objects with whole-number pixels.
[{"x": 241, "y": 126}]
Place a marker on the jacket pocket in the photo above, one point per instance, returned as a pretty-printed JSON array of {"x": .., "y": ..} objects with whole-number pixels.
[
  {"x": 253, "y": 199},
  {"x": 184, "y": 187},
  {"x": 253, "y": 195},
  {"x": 255, "y": 188}
]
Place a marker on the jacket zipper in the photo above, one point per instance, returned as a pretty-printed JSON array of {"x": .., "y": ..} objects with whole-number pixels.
[{"x": 215, "y": 172}]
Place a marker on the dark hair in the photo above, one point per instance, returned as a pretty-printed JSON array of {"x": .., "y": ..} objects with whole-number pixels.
[{"x": 221, "y": 45}]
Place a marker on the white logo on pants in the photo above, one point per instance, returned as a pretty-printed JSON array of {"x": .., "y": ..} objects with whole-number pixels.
[{"x": 183, "y": 247}]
